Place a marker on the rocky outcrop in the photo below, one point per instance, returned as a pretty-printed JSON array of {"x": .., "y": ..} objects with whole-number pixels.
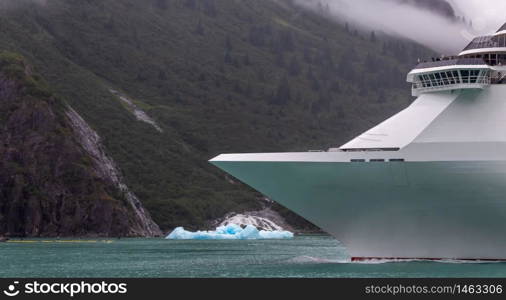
[
  {"x": 55, "y": 178},
  {"x": 139, "y": 114},
  {"x": 108, "y": 171},
  {"x": 265, "y": 219}
]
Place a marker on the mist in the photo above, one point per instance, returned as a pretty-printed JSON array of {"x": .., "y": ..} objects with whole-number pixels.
[
  {"x": 486, "y": 15},
  {"x": 440, "y": 33}
]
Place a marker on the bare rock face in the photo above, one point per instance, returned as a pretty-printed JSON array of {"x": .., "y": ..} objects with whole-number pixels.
[
  {"x": 55, "y": 177},
  {"x": 265, "y": 219},
  {"x": 107, "y": 169}
]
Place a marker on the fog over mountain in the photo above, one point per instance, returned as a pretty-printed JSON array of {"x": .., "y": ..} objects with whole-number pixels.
[
  {"x": 445, "y": 26},
  {"x": 486, "y": 15}
]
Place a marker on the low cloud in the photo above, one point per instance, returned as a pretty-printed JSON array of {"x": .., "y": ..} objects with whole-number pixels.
[
  {"x": 486, "y": 15},
  {"x": 433, "y": 30}
]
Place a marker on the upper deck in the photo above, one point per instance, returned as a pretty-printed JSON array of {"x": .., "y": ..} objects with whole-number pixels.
[
  {"x": 495, "y": 43},
  {"x": 481, "y": 63},
  {"x": 449, "y": 62},
  {"x": 485, "y": 44}
]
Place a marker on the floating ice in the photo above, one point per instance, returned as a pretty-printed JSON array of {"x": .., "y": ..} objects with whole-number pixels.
[{"x": 229, "y": 232}]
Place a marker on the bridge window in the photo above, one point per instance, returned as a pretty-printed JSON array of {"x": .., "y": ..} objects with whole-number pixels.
[
  {"x": 426, "y": 80},
  {"x": 456, "y": 76},
  {"x": 445, "y": 78},
  {"x": 440, "y": 80},
  {"x": 465, "y": 76},
  {"x": 474, "y": 75},
  {"x": 451, "y": 79},
  {"x": 436, "y": 78},
  {"x": 433, "y": 80}
]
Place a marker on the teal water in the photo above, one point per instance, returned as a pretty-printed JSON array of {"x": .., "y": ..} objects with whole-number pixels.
[{"x": 303, "y": 256}]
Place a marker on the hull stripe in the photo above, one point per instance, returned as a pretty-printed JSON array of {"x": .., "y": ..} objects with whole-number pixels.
[{"x": 359, "y": 259}]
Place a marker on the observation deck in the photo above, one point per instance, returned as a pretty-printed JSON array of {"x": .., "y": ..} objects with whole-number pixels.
[{"x": 450, "y": 74}]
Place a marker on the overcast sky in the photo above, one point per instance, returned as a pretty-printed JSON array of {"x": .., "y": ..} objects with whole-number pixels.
[{"x": 425, "y": 27}]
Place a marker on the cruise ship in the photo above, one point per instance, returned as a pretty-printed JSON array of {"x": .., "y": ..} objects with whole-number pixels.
[{"x": 428, "y": 183}]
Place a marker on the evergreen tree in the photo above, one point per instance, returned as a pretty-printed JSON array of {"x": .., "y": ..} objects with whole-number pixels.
[
  {"x": 246, "y": 60},
  {"x": 381, "y": 97},
  {"x": 324, "y": 101},
  {"x": 309, "y": 73},
  {"x": 192, "y": 4},
  {"x": 110, "y": 25},
  {"x": 161, "y": 4},
  {"x": 371, "y": 63},
  {"x": 286, "y": 40},
  {"x": 335, "y": 87},
  {"x": 294, "y": 67},
  {"x": 228, "y": 57},
  {"x": 228, "y": 43},
  {"x": 261, "y": 75},
  {"x": 200, "y": 28},
  {"x": 280, "y": 60},
  {"x": 307, "y": 56},
  {"x": 162, "y": 75},
  {"x": 256, "y": 36},
  {"x": 346, "y": 69},
  {"x": 315, "y": 84},
  {"x": 283, "y": 93},
  {"x": 209, "y": 7},
  {"x": 319, "y": 8},
  {"x": 237, "y": 87}
]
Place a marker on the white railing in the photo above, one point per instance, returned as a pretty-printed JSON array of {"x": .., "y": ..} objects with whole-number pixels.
[{"x": 471, "y": 82}]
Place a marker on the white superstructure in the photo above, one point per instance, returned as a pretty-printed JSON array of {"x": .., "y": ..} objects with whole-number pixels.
[{"x": 429, "y": 183}]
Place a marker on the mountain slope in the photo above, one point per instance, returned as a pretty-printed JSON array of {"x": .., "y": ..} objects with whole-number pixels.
[
  {"x": 216, "y": 76},
  {"x": 50, "y": 183}
]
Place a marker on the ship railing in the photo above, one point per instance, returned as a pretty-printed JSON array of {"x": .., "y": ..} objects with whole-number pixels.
[
  {"x": 450, "y": 61},
  {"x": 471, "y": 82}
]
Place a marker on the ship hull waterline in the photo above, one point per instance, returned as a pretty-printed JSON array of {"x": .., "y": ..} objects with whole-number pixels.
[{"x": 395, "y": 210}]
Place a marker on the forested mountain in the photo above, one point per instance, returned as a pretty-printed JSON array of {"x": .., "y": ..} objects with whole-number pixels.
[{"x": 169, "y": 84}]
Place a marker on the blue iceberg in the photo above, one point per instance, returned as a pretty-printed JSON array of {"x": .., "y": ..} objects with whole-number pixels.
[{"x": 229, "y": 232}]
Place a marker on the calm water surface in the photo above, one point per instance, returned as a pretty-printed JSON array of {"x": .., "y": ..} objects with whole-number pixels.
[{"x": 304, "y": 256}]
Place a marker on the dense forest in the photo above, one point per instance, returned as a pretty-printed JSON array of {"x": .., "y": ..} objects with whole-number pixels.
[{"x": 217, "y": 76}]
